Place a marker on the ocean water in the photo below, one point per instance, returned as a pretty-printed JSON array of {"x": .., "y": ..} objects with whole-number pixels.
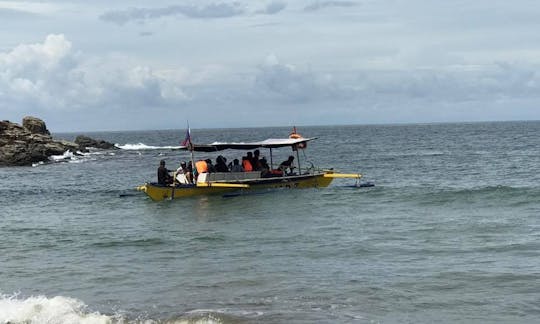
[{"x": 450, "y": 233}]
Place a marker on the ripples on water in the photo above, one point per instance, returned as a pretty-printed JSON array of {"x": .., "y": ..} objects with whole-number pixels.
[{"x": 450, "y": 233}]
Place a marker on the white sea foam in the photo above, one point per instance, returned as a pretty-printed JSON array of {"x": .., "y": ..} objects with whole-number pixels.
[
  {"x": 38, "y": 163},
  {"x": 71, "y": 157},
  {"x": 68, "y": 155},
  {"x": 60, "y": 310},
  {"x": 142, "y": 146},
  {"x": 41, "y": 309}
]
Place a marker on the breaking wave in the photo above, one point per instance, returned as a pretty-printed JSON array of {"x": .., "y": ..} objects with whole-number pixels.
[
  {"x": 60, "y": 309},
  {"x": 41, "y": 309},
  {"x": 142, "y": 146},
  {"x": 70, "y": 157}
]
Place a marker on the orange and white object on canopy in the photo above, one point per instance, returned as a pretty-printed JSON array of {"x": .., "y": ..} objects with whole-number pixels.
[{"x": 295, "y": 135}]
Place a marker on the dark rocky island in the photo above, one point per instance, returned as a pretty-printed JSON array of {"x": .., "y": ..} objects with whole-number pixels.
[
  {"x": 85, "y": 142},
  {"x": 32, "y": 142}
]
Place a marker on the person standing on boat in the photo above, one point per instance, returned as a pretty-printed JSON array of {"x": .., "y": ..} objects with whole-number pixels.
[
  {"x": 164, "y": 178},
  {"x": 287, "y": 164},
  {"x": 255, "y": 162}
]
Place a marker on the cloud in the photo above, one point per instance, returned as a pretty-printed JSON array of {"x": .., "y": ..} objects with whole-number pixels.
[
  {"x": 318, "y": 5},
  {"x": 273, "y": 8},
  {"x": 52, "y": 76},
  {"x": 450, "y": 85},
  {"x": 210, "y": 11},
  {"x": 290, "y": 83},
  {"x": 15, "y": 14}
]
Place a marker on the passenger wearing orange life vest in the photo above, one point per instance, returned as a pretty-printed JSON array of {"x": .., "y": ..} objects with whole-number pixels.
[
  {"x": 246, "y": 164},
  {"x": 201, "y": 166}
]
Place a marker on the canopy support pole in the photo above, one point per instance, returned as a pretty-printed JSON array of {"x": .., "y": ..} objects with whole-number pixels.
[
  {"x": 271, "y": 160},
  {"x": 298, "y": 159}
]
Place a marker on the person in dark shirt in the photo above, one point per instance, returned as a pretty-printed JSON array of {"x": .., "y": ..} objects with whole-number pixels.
[
  {"x": 255, "y": 161},
  {"x": 265, "y": 168},
  {"x": 164, "y": 178},
  {"x": 287, "y": 164},
  {"x": 221, "y": 164}
]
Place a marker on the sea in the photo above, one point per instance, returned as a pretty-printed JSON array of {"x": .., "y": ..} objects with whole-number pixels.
[{"x": 450, "y": 233}]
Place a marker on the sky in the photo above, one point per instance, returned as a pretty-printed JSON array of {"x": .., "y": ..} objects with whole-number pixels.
[{"x": 135, "y": 65}]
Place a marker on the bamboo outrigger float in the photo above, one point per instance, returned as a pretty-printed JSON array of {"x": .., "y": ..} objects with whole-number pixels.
[{"x": 245, "y": 182}]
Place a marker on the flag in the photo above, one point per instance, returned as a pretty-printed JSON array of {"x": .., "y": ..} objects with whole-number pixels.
[{"x": 187, "y": 140}]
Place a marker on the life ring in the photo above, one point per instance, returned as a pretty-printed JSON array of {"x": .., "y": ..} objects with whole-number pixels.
[{"x": 295, "y": 135}]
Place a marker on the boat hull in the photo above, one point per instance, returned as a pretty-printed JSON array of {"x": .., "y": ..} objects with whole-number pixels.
[{"x": 157, "y": 192}]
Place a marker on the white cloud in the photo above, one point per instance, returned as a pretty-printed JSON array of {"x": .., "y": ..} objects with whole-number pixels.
[
  {"x": 52, "y": 76},
  {"x": 397, "y": 60}
]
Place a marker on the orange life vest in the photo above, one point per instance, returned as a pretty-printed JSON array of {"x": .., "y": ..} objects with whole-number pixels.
[
  {"x": 201, "y": 166},
  {"x": 247, "y": 165}
]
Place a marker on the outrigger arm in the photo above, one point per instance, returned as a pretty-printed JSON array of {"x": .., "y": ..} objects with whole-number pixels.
[{"x": 343, "y": 175}]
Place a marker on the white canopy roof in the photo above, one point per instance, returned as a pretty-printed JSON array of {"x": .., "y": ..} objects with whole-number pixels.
[{"x": 268, "y": 143}]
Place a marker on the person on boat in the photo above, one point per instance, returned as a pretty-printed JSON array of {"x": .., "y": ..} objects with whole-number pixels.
[
  {"x": 221, "y": 164},
  {"x": 236, "y": 167},
  {"x": 164, "y": 178},
  {"x": 211, "y": 167},
  {"x": 287, "y": 165},
  {"x": 255, "y": 162},
  {"x": 183, "y": 175},
  {"x": 189, "y": 170},
  {"x": 201, "y": 166},
  {"x": 246, "y": 164},
  {"x": 251, "y": 160},
  {"x": 264, "y": 167}
]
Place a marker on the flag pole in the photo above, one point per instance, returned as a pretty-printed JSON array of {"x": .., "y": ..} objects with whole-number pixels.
[{"x": 191, "y": 152}]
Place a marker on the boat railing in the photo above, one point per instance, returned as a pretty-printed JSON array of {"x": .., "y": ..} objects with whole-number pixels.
[{"x": 228, "y": 176}]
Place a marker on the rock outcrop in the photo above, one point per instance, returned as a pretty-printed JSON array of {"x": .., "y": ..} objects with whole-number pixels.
[
  {"x": 35, "y": 125},
  {"x": 85, "y": 142},
  {"x": 20, "y": 145},
  {"x": 32, "y": 142}
]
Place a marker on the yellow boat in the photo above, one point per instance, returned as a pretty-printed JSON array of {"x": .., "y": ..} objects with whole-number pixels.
[{"x": 245, "y": 182}]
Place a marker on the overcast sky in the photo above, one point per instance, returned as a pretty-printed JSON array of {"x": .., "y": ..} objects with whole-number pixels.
[{"x": 121, "y": 65}]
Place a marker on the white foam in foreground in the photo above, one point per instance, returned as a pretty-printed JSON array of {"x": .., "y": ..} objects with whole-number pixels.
[
  {"x": 141, "y": 146},
  {"x": 47, "y": 310},
  {"x": 60, "y": 310}
]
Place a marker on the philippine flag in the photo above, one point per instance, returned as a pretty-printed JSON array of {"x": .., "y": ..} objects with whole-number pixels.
[{"x": 187, "y": 140}]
